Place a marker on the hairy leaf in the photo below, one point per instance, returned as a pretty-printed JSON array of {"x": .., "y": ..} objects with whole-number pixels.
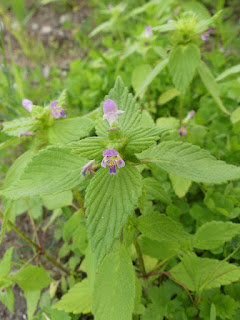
[
  {"x": 180, "y": 185},
  {"x": 214, "y": 234},
  {"x": 17, "y": 126},
  {"x": 154, "y": 191},
  {"x": 90, "y": 148},
  {"x": 114, "y": 289},
  {"x": 77, "y": 300},
  {"x": 191, "y": 162},
  {"x": 110, "y": 199},
  {"x": 182, "y": 63}
]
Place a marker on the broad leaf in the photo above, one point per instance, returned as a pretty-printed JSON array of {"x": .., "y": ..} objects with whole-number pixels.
[
  {"x": 140, "y": 139},
  {"x": 180, "y": 185},
  {"x": 110, "y": 199},
  {"x": 182, "y": 63},
  {"x": 114, "y": 289},
  {"x": 50, "y": 171},
  {"x": 124, "y": 101},
  {"x": 32, "y": 278},
  {"x": 214, "y": 234},
  {"x": 68, "y": 130},
  {"x": 58, "y": 200},
  {"x": 90, "y": 148},
  {"x": 191, "y": 162},
  {"x": 211, "y": 85},
  {"x": 202, "y": 273},
  {"x": 77, "y": 300},
  {"x": 158, "y": 249},
  {"x": 17, "y": 126},
  {"x": 159, "y": 227}
]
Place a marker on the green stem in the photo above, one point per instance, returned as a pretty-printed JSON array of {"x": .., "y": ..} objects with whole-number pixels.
[
  {"x": 32, "y": 223},
  {"x": 78, "y": 197},
  {"x": 34, "y": 245},
  {"x": 140, "y": 258},
  {"x": 181, "y": 111}
]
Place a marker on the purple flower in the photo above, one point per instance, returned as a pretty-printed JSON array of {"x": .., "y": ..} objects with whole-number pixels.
[
  {"x": 112, "y": 159},
  {"x": 27, "y": 133},
  {"x": 182, "y": 131},
  {"x": 57, "y": 111},
  {"x": 110, "y": 7},
  {"x": 27, "y": 104},
  {"x": 148, "y": 31},
  {"x": 190, "y": 115},
  {"x": 88, "y": 167},
  {"x": 111, "y": 111},
  {"x": 205, "y": 35}
]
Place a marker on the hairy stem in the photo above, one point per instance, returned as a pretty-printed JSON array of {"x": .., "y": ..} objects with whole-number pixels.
[{"x": 34, "y": 245}]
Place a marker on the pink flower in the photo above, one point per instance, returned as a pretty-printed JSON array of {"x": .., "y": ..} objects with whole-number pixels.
[
  {"x": 148, "y": 32},
  {"x": 57, "y": 111},
  {"x": 182, "y": 131},
  {"x": 111, "y": 111},
  {"x": 190, "y": 115},
  {"x": 112, "y": 159},
  {"x": 27, "y": 104}
]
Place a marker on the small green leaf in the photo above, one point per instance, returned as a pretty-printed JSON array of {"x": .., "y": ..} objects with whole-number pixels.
[
  {"x": 168, "y": 96},
  {"x": 5, "y": 263},
  {"x": 139, "y": 75},
  {"x": 77, "y": 300},
  {"x": 183, "y": 61},
  {"x": 235, "y": 116},
  {"x": 213, "y": 315},
  {"x": 114, "y": 289},
  {"x": 200, "y": 274},
  {"x": 158, "y": 249},
  {"x": 32, "y": 298},
  {"x": 180, "y": 185},
  {"x": 110, "y": 199},
  {"x": 214, "y": 234},
  {"x": 50, "y": 171},
  {"x": 32, "y": 278},
  {"x": 210, "y": 84},
  {"x": 191, "y": 162},
  {"x": 228, "y": 72},
  {"x": 58, "y": 200},
  {"x": 7, "y": 298},
  {"x": 8, "y": 207},
  {"x": 154, "y": 191},
  {"x": 159, "y": 227},
  {"x": 71, "y": 225},
  {"x": 68, "y": 130},
  {"x": 17, "y": 126}
]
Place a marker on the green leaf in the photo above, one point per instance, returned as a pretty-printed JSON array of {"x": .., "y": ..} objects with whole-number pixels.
[
  {"x": 17, "y": 126},
  {"x": 32, "y": 298},
  {"x": 124, "y": 101},
  {"x": 32, "y": 278},
  {"x": 151, "y": 76},
  {"x": 182, "y": 63},
  {"x": 90, "y": 148},
  {"x": 7, "y": 298},
  {"x": 5, "y": 263},
  {"x": 210, "y": 84},
  {"x": 154, "y": 191},
  {"x": 158, "y": 249},
  {"x": 191, "y": 162},
  {"x": 50, "y": 171},
  {"x": 72, "y": 224},
  {"x": 168, "y": 96},
  {"x": 58, "y": 200},
  {"x": 139, "y": 75},
  {"x": 53, "y": 314},
  {"x": 180, "y": 185},
  {"x": 68, "y": 130},
  {"x": 140, "y": 139},
  {"x": 77, "y": 300},
  {"x": 198, "y": 8},
  {"x": 202, "y": 273},
  {"x": 9, "y": 142},
  {"x": 204, "y": 24},
  {"x": 8, "y": 207},
  {"x": 214, "y": 234},
  {"x": 110, "y": 199},
  {"x": 235, "y": 116},
  {"x": 114, "y": 289},
  {"x": 159, "y": 227},
  {"x": 101, "y": 27},
  {"x": 213, "y": 315},
  {"x": 166, "y": 27},
  {"x": 228, "y": 72}
]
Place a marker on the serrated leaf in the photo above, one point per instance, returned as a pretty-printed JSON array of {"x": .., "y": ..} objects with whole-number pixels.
[
  {"x": 154, "y": 191},
  {"x": 140, "y": 139},
  {"x": 180, "y": 185},
  {"x": 5, "y": 263},
  {"x": 202, "y": 273},
  {"x": 90, "y": 148},
  {"x": 32, "y": 278},
  {"x": 68, "y": 130},
  {"x": 77, "y": 300},
  {"x": 17, "y": 126},
  {"x": 151, "y": 76},
  {"x": 182, "y": 63},
  {"x": 50, "y": 171},
  {"x": 214, "y": 234},
  {"x": 110, "y": 199},
  {"x": 191, "y": 162},
  {"x": 124, "y": 101},
  {"x": 210, "y": 84},
  {"x": 159, "y": 227},
  {"x": 114, "y": 289}
]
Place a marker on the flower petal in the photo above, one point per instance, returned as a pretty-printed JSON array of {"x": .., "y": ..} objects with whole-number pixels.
[
  {"x": 112, "y": 170},
  {"x": 53, "y": 103},
  {"x": 120, "y": 162},
  {"x": 109, "y": 106},
  {"x": 110, "y": 152},
  {"x": 27, "y": 104}
]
